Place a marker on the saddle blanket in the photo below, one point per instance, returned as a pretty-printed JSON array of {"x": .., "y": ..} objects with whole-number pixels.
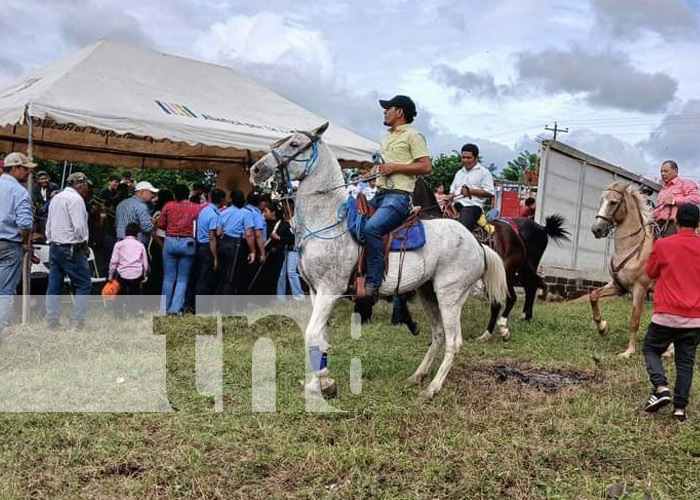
[{"x": 414, "y": 235}]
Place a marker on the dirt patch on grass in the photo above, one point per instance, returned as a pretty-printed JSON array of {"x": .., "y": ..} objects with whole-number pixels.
[
  {"x": 539, "y": 378},
  {"x": 548, "y": 380}
]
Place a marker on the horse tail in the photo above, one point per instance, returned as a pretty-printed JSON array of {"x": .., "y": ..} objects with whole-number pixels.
[
  {"x": 554, "y": 227},
  {"x": 494, "y": 277}
]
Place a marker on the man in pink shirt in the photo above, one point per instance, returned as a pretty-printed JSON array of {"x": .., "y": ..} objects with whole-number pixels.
[
  {"x": 129, "y": 265},
  {"x": 674, "y": 193}
]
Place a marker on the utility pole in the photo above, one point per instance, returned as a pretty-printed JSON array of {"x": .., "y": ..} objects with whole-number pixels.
[{"x": 557, "y": 129}]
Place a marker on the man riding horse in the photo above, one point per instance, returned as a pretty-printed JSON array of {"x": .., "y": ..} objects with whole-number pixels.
[
  {"x": 471, "y": 187},
  {"x": 674, "y": 193},
  {"x": 406, "y": 155}
]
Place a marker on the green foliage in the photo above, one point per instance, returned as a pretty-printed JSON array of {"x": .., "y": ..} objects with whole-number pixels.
[
  {"x": 482, "y": 437},
  {"x": 444, "y": 170},
  {"x": 515, "y": 171},
  {"x": 99, "y": 175}
]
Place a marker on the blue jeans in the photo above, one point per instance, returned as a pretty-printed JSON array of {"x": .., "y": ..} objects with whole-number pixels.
[
  {"x": 11, "y": 254},
  {"x": 71, "y": 261},
  {"x": 289, "y": 271},
  {"x": 178, "y": 255},
  {"x": 391, "y": 210}
]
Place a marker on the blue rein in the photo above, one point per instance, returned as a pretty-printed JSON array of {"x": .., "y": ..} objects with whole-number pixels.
[{"x": 283, "y": 161}]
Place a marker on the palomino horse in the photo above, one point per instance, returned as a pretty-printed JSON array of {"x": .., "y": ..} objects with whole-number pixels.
[
  {"x": 442, "y": 272},
  {"x": 625, "y": 210},
  {"x": 520, "y": 242}
]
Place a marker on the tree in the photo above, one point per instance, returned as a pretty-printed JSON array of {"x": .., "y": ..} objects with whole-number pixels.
[
  {"x": 99, "y": 174},
  {"x": 444, "y": 170},
  {"x": 515, "y": 171}
]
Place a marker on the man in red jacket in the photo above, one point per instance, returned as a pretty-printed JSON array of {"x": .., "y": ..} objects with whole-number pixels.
[{"x": 675, "y": 265}]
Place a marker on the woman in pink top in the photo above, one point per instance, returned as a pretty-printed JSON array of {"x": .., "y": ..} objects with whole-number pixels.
[{"x": 129, "y": 265}]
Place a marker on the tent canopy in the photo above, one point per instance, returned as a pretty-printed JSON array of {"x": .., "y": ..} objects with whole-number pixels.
[{"x": 116, "y": 104}]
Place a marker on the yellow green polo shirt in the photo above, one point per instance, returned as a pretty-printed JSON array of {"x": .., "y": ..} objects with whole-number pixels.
[{"x": 403, "y": 145}]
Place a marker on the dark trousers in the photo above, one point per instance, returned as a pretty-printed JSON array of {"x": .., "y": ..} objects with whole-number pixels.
[
  {"x": 233, "y": 253},
  {"x": 129, "y": 290},
  {"x": 469, "y": 215},
  {"x": 205, "y": 270},
  {"x": 685, "y": 342},
  {"x": 666, "y": 228}
]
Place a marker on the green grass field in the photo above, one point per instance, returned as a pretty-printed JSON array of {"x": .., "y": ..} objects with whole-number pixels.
[{"x": 480, "y": 438}]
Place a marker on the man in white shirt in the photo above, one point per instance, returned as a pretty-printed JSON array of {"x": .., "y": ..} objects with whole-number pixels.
[
  {"x": 67, "y": 234},
  {"x": 471, "y": 187}
]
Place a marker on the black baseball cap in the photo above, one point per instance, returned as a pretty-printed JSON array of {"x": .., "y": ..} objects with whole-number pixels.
[{"x": 401, "y": 102}]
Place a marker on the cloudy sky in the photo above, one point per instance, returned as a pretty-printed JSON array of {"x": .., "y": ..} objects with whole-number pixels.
[{"x": 622, "y": 75}]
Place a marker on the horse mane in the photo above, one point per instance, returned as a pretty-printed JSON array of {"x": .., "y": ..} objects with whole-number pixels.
[{"x": 633, "y": 194}]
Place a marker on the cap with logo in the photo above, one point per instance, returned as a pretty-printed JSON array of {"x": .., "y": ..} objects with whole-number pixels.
[
  {"x": 18, "y": 160},
  {"x": 401, "y": 102},
  {"x": 145, "y": 186}
]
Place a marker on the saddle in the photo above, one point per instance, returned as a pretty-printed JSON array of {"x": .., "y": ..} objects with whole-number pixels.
[
  {"x": 483, "y": 232},
  {"x": 408, "y": 236}
]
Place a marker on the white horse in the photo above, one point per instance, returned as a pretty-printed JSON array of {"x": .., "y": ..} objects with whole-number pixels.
[{"x": 442, "y": 272}]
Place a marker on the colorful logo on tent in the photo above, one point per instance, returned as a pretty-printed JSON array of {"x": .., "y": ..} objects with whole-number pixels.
[{"x": 172, "y": 108}]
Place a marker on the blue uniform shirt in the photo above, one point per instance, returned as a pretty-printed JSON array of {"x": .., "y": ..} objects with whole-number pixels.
[
  {"x": 259, "y": 220},
  {"x": 207, "y": 220},
  {"x": 234, "y": 221},
  {"x": 15, "y": 209}
]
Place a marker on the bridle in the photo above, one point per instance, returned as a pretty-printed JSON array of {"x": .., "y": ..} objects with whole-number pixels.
[
  {"x": 611, "y": 220},
  {"x": 283, "y": 161}
]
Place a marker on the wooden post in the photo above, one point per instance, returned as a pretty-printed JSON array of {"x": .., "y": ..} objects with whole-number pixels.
[{"x": 27, "y": 262}]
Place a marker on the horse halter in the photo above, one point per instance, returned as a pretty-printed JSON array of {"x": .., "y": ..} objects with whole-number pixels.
[
  {"x": 283, "y": 161},
  {"x": 611, "y": 218}
]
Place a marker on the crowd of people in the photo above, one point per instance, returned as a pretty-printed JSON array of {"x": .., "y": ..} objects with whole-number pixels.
[
  {"x": 177, "y": 243},
  {"x": 185, "y": 242}
]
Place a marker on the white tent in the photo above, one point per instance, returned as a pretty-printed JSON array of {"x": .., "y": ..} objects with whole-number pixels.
[{"x": 116, "y": 104}]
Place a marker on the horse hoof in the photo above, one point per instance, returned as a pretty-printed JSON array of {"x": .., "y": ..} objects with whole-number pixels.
[
  {"x": 627, "y": 354},
  {"x": 415, "y": 379},
  {"x": 603, "y": 328},
  {"x": 427, "y": 395},
  {"x": 329, "y": 388},
  {"x": 505, "y": 335},
  {"x": 484, "y": 338},
  {"x": 523, "y": 317}
]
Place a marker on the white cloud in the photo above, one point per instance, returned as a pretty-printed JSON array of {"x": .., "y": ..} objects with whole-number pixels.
[
  {"x": 676, "y": 138},
  {"x": 671, "y": 19},
  {"x": 607, "y": 78},
  {"x": 267, "y": 39},
  {"x": 609, "y": 148}
]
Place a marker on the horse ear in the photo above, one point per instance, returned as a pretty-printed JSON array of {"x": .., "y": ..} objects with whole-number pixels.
[{"x": 320, "y": 130}]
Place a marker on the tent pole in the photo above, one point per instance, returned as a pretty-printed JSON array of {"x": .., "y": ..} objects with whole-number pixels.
[
  {"x": 63, "y": 175},
  {"x": 26, "y": 264}
]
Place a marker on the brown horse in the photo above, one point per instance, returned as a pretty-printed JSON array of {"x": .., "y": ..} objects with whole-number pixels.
[
  {"x": 520, "y": 242},
  {"x": 625, "y": 211}
]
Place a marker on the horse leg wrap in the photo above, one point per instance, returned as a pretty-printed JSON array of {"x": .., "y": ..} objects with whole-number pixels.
[{"x": 318, "y": 359}]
